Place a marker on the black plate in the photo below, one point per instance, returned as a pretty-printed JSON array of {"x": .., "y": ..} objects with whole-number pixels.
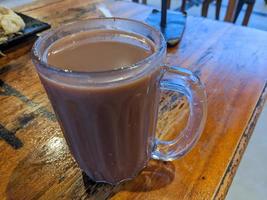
[{"x": 32, "y": 26}]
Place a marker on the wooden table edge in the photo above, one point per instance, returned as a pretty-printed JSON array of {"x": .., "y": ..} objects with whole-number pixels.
[{"x": 230, "y": 172}]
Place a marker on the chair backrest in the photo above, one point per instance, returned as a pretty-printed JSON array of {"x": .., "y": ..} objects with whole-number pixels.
[{"x": 233, "y": 10}]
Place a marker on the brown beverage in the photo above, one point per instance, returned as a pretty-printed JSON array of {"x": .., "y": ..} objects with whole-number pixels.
[{"x": 109, "y": 130}]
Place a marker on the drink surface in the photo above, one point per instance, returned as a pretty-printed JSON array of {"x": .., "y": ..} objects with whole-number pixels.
[{"x": 98, "y": 51}]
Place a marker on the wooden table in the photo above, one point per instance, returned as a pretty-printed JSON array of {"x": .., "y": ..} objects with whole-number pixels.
[{"x": 35, "y": 162}]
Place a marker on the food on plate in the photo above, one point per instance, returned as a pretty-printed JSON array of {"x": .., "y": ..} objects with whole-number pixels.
[{"x": 10, "y": 24}]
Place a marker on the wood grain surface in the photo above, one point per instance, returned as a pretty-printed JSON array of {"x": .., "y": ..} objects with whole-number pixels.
[{"x": 35, "y": 162}]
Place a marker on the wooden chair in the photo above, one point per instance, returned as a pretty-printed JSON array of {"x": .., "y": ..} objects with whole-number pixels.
[
  {"x": 205, "y": 8},
  {"x": 240, "y": 3},
  {"x": 250, "y": 5}
]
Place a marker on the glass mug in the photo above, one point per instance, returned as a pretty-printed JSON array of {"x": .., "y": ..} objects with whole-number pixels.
[{"x": 109, "y": 117}]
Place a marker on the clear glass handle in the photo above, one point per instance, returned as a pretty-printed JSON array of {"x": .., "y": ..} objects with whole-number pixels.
[{"x": 183, "y": 81}]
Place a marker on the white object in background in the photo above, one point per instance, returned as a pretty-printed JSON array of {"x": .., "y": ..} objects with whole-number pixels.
[{"x": 103, "y": 8}]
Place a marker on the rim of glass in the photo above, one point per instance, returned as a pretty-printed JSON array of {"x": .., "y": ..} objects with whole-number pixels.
[{"x": 37, "y": 55}]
